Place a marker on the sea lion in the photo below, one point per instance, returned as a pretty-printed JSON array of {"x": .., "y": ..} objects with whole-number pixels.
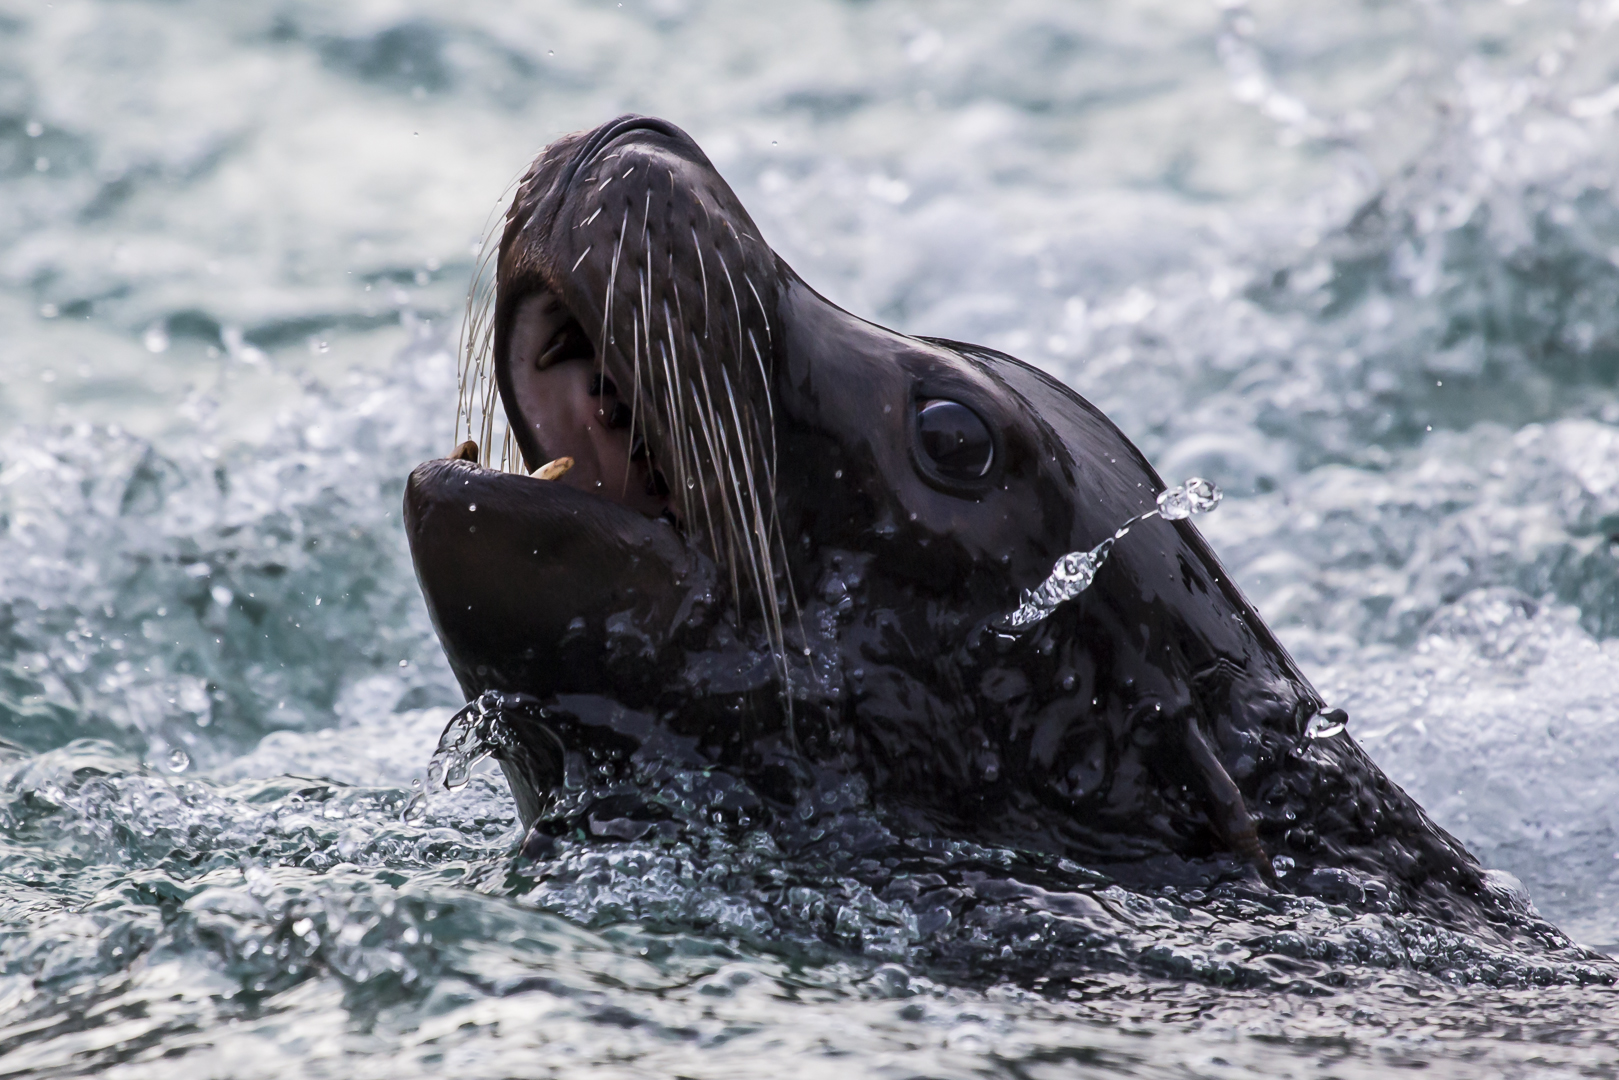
[{"x": 788, "y": 544}]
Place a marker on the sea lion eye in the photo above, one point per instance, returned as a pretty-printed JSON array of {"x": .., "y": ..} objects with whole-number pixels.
[{"x": 955, "y": 440}]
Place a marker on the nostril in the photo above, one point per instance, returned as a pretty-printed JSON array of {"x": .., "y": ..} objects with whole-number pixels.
[
  {"x": 619, "y": 416},
  {"x": 600, "y": 384}
]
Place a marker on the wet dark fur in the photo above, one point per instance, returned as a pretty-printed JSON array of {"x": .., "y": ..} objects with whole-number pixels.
[{"x": 831, "y": 616}]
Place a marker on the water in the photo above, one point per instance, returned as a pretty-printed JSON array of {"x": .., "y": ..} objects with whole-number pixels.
[
  {"x": 1359, "y": 263},
  {"x": 1075, "y": 571}
]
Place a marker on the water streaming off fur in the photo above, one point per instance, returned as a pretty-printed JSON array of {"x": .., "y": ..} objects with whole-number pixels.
[{"x": 1359, "y": 262}]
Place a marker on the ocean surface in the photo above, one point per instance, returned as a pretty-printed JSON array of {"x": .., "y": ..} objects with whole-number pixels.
[{"x": 1358, "y": 262}]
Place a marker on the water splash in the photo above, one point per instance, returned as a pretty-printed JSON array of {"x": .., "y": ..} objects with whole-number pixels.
[
  {"x": 1076, "y": 570},
  {"x": 472, "y": 734}
]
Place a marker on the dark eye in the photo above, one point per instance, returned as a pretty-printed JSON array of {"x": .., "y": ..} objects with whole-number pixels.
[{"x": 954, "y": 439}]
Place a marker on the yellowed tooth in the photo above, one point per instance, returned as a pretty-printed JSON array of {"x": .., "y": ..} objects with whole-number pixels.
[{"x": 553, "y": 470}]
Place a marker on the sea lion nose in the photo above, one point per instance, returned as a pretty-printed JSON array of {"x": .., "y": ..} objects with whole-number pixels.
[{"x": 599, "y": 139}]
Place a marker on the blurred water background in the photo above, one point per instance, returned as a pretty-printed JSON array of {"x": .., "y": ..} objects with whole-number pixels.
[{"x": 1358, "y": 260}]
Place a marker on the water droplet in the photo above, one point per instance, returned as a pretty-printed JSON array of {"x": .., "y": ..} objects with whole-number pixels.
[
  {"x": 472, "y": 507},
  {"x": 179, "y": 760},
  {"x": 1282, "y": 865},
  {"x": 1076, "y": 570},
  {"x": 156, "y": 338},
  {"x": 1196, "y": 496},
  {"x": 1326, "y": 724},
  {"x": 1071, "y": 576}
]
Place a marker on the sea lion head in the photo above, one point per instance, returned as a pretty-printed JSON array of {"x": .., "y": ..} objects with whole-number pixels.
[{"x": 790, "y": 539}]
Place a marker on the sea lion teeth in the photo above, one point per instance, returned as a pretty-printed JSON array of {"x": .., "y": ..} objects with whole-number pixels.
[{"x": 553, "y": 470}]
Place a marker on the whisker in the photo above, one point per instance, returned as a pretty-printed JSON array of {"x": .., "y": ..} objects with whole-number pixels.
[
  {"x": 735, "y": 303},
  {"x": 718, "y": 449},
  {"x": 712, "y": 529},
  {"x": 607, "y": 300},
  {"x": 476, "y": 406},
  {"x": 702, "y": 272},
  {"x": 759, "y": 544},
  {"x": 763, "y": 314}
]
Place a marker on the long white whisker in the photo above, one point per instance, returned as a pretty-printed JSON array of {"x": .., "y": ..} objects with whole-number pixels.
[
  {"x": 607, "y": 301},
  {"x": 735, "y": 301},
  {"x": 722, "y": 461},
  {"x": 712, "y": 524},
  {"x": 763, "y": 314},
  {"x": 702, "y": 272},
  {"x": 759, "y": 544}
]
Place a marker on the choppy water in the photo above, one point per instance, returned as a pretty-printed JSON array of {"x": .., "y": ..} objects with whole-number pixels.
[{"x": 1357, "y": 262}]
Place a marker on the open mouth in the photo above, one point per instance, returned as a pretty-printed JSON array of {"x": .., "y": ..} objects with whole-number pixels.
[{"x": 562, "y": 404}]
